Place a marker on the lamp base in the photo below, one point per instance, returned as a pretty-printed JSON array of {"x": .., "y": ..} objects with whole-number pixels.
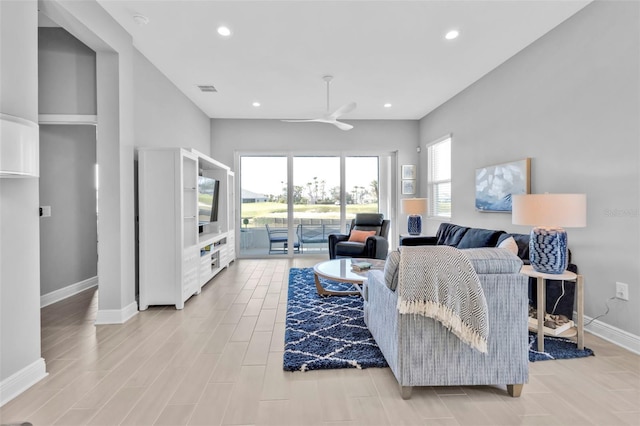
[
  {"x": 414, "y": 224},
  {"x": 548, "y": 250}
]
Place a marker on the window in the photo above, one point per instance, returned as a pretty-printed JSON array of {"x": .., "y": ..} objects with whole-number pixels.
[
  {"x": 290, "y": 203},
  {"x": 439, "y": 177}
]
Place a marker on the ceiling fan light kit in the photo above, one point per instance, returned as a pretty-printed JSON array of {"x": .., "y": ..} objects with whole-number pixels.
[{"x": 331, "y": 117}]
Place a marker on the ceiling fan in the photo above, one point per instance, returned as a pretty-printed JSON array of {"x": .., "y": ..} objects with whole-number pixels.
[{"x": 331, "y": 117}]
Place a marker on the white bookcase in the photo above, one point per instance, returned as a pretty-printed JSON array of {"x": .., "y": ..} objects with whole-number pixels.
[{"x": 176, "y": 255}]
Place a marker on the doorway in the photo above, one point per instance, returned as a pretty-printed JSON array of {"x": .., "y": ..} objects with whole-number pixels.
[{"x": 68, "y": 200}]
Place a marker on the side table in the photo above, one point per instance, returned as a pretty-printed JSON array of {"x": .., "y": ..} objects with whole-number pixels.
[{"x": 541, "y": 280}]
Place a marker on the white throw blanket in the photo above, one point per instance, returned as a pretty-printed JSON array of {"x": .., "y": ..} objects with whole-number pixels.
[{"x": 439, "y": 282}]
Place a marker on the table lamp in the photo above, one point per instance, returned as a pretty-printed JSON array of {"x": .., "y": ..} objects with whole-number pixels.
[
  {"x": 415, "y": 208},
  {"x": 548, "y": 213}
]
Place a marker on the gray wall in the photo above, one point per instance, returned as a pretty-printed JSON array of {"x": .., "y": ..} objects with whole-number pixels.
[
  {"x": 69, "y": 238},
  {"x": 164, "y": 116},
  {"x": 570, "y": 102},
  {"x": 375, "y": 136},
  {"x": 230, "y": 135},
  {"x": 19, "y": 223},
  {"x": 67, "y": 85},
  {"x": 66, "y": 73}
]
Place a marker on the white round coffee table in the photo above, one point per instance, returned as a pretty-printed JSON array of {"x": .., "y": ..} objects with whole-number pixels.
[{"x": 340, "y": 270}]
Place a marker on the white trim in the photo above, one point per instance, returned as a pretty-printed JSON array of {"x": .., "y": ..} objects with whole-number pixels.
[
  {"x": 68, "y": 291},
  {"x": 22, "y": 380},
  {"x": 622, "y": 338},
  {"x": 116, "y": 316},
  {"x": 67, "y": 119}
]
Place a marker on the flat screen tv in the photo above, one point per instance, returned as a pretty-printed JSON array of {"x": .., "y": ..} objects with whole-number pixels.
[{"x": 208, "y": 195}]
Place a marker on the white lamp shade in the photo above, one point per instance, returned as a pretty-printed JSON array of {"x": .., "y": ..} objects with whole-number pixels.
[
  {"x": 19, "y": 148},
  {"x": 550, "y": 210},
  {"x": 414, "y": 206}
]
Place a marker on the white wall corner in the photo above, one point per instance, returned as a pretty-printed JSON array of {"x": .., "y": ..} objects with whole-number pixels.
[
  {"x": 22, "y": 380},
  {"x": 116, "y": 316},
  {"x": 613, "y": 334},
  {"x": 68, "y": 291}
]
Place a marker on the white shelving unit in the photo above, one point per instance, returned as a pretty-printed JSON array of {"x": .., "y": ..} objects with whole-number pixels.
[{"x": 176, "y": 259}]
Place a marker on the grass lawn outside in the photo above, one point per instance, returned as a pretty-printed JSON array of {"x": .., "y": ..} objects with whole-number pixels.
[{"x": 259, "y": 214}]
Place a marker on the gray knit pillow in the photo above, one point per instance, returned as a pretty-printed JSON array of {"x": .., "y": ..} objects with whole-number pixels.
[{"x": 391, "y": 270}]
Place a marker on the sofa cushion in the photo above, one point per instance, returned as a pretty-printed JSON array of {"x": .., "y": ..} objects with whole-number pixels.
[
  {"x": 522, "y": 240},
  {"x": 476, "y": 237},
  {"x": 450, "y": 235},
  {"x": 509, "y": 244},
  {"x": 349, "y": 249},
  {"x": 493, "y": 261},
  {"x": 391, "y": 270}
]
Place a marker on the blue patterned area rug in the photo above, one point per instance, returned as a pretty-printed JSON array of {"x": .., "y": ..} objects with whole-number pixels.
[
  {"x": 555, "y": 348},
  {"x": 329, "y": 332},
  {"x": 326, "y": 332}
]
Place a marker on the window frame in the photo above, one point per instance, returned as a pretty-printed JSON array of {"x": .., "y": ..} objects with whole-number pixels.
[
  {"x": 432, "y": 183},
  {"x": 387, "y": 195}
]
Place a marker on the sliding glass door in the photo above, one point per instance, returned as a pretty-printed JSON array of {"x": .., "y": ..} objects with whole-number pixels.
[
  {"x": 316, "y": 201},
  {"x": 291, "y": 203},
  {"x": 264, "y": 218}
]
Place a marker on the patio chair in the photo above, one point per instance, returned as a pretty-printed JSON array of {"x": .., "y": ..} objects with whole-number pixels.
[{"x": 280, "y": 236}]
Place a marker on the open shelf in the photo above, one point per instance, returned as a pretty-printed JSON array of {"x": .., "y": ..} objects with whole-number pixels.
[{"x": 176, "y": 259}]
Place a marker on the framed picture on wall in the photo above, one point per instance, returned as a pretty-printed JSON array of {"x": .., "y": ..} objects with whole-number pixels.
[
  {"x": 408, "y": 186},
  {"x": 495, "y": 185},
  {"x": 408, "y": 171}
]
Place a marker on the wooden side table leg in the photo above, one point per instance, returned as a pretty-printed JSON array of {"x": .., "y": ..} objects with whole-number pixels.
[
  {"x": 580, "y": 309},
  {"x": 540, "y": 283}
]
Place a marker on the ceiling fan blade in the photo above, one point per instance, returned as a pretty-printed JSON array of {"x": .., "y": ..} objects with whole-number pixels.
[
  {"x": 342, "y": 126},
  {"x": 331, "y": 118},
  {"x": 344, "y": 109},
  {"x": 304, "y": 121}
]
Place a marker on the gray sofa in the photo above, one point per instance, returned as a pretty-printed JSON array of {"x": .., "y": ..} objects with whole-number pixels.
[{"x": 421, "y": 352}]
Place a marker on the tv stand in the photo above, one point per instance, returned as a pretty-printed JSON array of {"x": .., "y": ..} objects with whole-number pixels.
[{"x": 178, "y": 255}]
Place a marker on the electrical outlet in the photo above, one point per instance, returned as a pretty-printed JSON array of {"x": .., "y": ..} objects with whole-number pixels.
[{"x": 622, "y": 291}]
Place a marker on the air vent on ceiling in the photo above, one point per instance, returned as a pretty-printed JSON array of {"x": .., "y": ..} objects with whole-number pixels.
[{"x": 207, "y": 88}]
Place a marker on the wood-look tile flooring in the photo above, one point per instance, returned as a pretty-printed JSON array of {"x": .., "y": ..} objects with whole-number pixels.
[{"x": 219, "y": 362}]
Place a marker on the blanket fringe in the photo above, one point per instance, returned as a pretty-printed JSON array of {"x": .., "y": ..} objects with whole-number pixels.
[{"x": 448, "y": 318}]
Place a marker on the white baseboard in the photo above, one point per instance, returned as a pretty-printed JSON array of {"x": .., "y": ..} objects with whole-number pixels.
[
  {"x": 68, "y": 291},
  {"x": 116, "y": 316},
  {"x": 613, "y": 334},
  {"x": 19, "y": 382}
]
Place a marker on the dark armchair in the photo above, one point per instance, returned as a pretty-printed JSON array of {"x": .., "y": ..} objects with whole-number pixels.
[{"x": 374, "y": 246}]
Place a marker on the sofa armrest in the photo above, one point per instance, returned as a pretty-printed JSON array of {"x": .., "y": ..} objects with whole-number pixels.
[
  {"x": 418, "y": 241},
  {"x": 377, "y": 247},
  {"x": 333, "y": 240}
]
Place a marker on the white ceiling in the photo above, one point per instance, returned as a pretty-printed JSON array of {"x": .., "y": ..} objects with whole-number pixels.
[{"x": 377, "y": 51}]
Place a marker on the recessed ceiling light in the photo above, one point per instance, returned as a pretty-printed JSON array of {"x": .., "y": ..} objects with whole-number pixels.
[
  {"x": 256, "y": 104},
  {"x": 224, "y": 31},
  {"x": 140, "y": 19},
  {"x": 387, "y": 105},
  {"x": 452, "y": 34}
]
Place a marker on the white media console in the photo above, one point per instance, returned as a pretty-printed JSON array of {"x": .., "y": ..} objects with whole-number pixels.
[{"x": 176, "y": 259}]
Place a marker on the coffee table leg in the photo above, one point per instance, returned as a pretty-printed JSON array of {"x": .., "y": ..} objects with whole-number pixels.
[{"x": 324, "y": 292}]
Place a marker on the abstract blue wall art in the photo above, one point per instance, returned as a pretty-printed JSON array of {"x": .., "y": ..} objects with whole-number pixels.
[{"x": 496, "y": 184}]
